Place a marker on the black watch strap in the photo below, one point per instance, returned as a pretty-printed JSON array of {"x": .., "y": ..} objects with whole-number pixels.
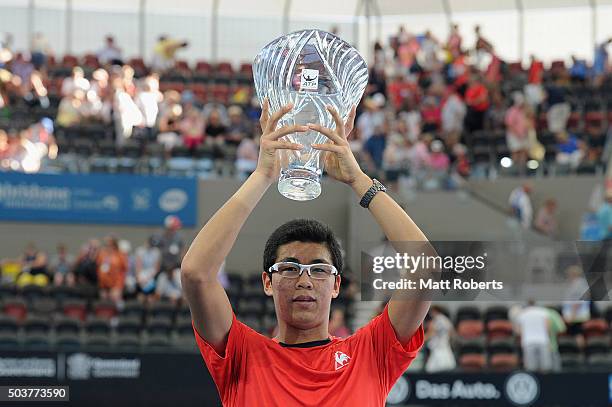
[{"x": 370, "y": 193}]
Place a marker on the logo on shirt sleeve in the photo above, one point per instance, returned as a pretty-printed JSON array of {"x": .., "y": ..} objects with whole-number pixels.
[{"x": 342, "y": 359}]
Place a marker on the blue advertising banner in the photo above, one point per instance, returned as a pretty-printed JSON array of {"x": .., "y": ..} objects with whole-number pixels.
[{"x": 97, "y": 198}]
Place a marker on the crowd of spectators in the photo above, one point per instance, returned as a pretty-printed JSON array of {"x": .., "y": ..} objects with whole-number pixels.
[
  {"x": 108, "y": 266},
  {"x": 426, "y": 103}
]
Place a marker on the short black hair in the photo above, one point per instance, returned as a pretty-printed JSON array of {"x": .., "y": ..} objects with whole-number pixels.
[{"x": 302, "y": 230}]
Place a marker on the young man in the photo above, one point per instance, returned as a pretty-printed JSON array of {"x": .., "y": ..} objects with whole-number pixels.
[{"x": 302, "y": 365}]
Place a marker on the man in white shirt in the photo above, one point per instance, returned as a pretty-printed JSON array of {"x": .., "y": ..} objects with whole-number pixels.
[
  {"x": 534, "y": 326},
  {"x": 520, "y": 203}
]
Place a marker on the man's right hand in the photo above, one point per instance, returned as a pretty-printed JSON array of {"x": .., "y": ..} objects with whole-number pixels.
[{"x": 268, "y": 163}]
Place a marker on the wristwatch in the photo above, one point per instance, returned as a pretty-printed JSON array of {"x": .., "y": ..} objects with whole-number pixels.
[{"x": 370, "y": 193}]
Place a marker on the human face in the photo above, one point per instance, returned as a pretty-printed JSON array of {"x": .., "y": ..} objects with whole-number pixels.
[{"x": 302, "y": 303}]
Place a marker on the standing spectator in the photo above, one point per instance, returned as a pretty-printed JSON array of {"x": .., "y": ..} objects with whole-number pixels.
[
  {"x": 517, "y": 130},
  {"x": 438, "y": 336},
  {"x": 578, "y": 71},
  {"x": 171, "y": 243},
  {"x": 169, "y": 285},
  {"x": 453, "y": 44},
  {"x": 600, "y": 62},
  {"x": 164, "y": 53},
  {"x": 373, "y": 118},
  {"x": 61, "y": 265},
  {"x": 557, "y": 326},
  {"x": 22, "y": 67},
  {"x": 534, "y": 93},
  {"x": 337, "y": 324},
  {"x": 75, "y": 82},
  {"x": 604, "y": 216},
  {"x": 558, "y": 108},
  {"x": 148, "y": 100},
  {"x": 40, "y": 50},
  {"x": 453, "y": 115},
  {"x": 520, "y": 204},
  {"x": 147, "y": 262},
  {"x": 477, "y": 100},
  {"x": 238, "y": 127},
  {"x": 461, "y": 164},
  {"x": 431, "y": 115},
  {"x": 127, "y": 115},
  {"x": 110, "y": 54},
  {"x": 546, "y": 219},
  {"x": 569, "y": 151},
  {"x": 534, "y": 328},
  {"x": 482, "y": 47},
  {"x": 112, "y": 269},
  {"x": 576, "y": 309}
]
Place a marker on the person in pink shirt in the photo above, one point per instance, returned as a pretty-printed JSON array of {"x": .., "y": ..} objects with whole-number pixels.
[
  {"x": 438, "y": 159},
  {"x": 517, "y": 129}
]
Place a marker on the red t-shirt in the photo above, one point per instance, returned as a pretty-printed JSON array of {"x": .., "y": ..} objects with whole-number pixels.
[
  {"x": 477, "y": 97},
  {"x": 356, "y": 371}
]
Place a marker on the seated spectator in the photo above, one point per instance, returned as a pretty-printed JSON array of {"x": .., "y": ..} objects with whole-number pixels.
[
  {"x": 438, "y": 159},
  {"x": 477, "y": 101},
  {"x": 170, "y": 112},
  {"x": 374, "y": 147},
  {"x": 569, "y": 150},
  {"x": 558, "y": 108},
  {"x": 546, "y": 219},
  {"x": 576, "y": 309},
  {"x": 430, "y": 112},
  {"x": 110, "y": 54},
  {"x": 247, "y": 155},
  {"x": 147, "y": 262},
  {"x": 171, "y": 243},
  {"x": 164, "y": 53},
  {"x": 86, "y": 266},
  {"x": 40, "y": 50},
  {"x": 461, "y": 164},
  {"x": 517, "y": 130},
  {"x": 61, "y": 265},
  {"x": 238, "y": 127},
  {"x": 372, "y": 118},
  {"x": 215, "y": 133},
  {"x": 22, "y": 68},
  {"x": 453, "y": 115},
  {"x": 192, "y": 127},
  {"x": 127, "y": 115},
  {"x": 394, "y": 157},
  {"x": 75, "y": 82},
  {"x": 71, "y": 110},
  {"x": 594, "y": 144},
  {"x": 112, "y": 268},
  {"x": 337, "y": 324},
  {"x": 168, "y": 286},
  {"x": 34, "y": 267}
]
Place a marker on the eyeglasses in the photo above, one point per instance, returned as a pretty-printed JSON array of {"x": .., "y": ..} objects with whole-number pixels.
[{"x": 319, "y": 271}]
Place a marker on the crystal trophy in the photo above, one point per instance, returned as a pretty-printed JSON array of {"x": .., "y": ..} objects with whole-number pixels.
[{"x": 311, "y": 69}]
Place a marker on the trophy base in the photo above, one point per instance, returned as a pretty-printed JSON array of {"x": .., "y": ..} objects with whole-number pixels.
[{"x": 299, "y": 184}]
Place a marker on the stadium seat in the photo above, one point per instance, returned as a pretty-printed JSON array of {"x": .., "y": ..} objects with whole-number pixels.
[
  {"x": 157, "y": 340},
  {"x": 10, "y": 290},
  {"x": 97, "y": 325},
  {"x": 97, "y": 340},
  {"x": 595, "y": 327},
  {"x": 470, "y": 329},
  {"x": 127, "y": 341},
  {"x": 568, "y": 345},
  {"x": 473, "y": 362},
  {"x": 183, "y": 325},
  {"x": 499, "y": 328},
  {"x": 600, "y": 360},
  {"x": 129, "y": 324},
  {"x": 597, "y": 344},
  {"x": 496, "y": 312},
  {"x": 501, "y": 345},
  {"x": 467, "y": 313},
  {"x": 36, "y": 325},
  {"x": 43, "y": 306},
  {"x": 67, "y": 325},
  {"x": 75, "y": 308},
  {"x": 162, "y": 309},
  {"x": 133, "y": 308},
  {"x": 62, "y": 293},
  {"x": 504, "y": 361},
  {"x": 105, "y": 309},
  {"x": 68, "y": 341},
  {"x": 473, "y": 345},
  {"x": 33, "y": 291},
  {"x": 15, "y": 307},
  {"x": 8, "y": 324},
  {"x": 250, "y": 307},
  {"x": 37, "y": 341},
  {"x": 185, "y": 342},
  {"x": 159, "y": 325},
  {"x": 8, "y": 341}
]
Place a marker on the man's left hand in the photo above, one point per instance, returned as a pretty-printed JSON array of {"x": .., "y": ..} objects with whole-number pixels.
[{"x": 340, "y": 163}]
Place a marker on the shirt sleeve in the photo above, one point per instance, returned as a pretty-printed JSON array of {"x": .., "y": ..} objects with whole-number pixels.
[
  {"x": 392, "y": 356},
  {"x": 225, "y": 369}
]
